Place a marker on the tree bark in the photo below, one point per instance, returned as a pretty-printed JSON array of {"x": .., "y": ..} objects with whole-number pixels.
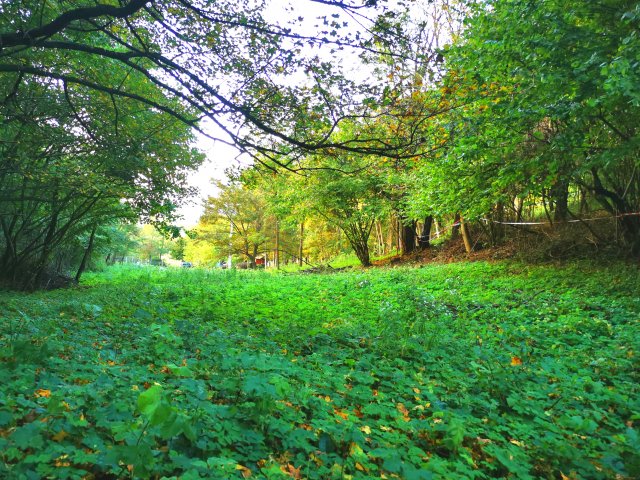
[
  {"x": 87, "y": 254},
  {"x": 408, "y": 236},
  {"x": 559, "y": 194},
  {"x": 425, "y": 238},
  {"x": 466, "y": 237},
  {"x": 301, "y": 246},
  {"x": 455, "y": 230}
]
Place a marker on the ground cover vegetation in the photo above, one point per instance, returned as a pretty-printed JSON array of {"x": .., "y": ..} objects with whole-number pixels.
[
  {"x": 473, "y": 370},
  {"x": 378, "y": 129}
]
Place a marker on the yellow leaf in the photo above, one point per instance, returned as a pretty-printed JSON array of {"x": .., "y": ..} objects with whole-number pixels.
[
  {"x": 515, "y": 361},
  {"x": 61, "y": 461},
  {"x": 60, "y": 436},
  {"x": 341, "y": 414},
  {"x": 359, "y": 467},
  {"x": 246, "y": 473},
  {"x": 366, "y": 429},
  {"x": 403, "y": 410},
  {"x": 43, "y": 393},
  {"x": 291, "y": 471}
]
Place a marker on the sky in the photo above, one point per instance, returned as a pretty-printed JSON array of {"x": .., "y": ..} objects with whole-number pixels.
[{"x": 220, "y": 156}]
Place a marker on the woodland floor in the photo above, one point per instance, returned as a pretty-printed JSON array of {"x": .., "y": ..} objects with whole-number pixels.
[{"x": 461, "y": 370}]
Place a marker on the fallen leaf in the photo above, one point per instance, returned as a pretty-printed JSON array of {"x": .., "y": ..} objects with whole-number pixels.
[
  {"x": 515, "y": 361},
  {"x": 341, "y": 414},
  {"x": 403, "y": 410},
  {"x": 43, "y": 393},
  {"x": 61, "y": 461},
  {"x": 60, "y": 436},
  {"x": 292, "y": 471},
  {"x": 245, "y": 472}
]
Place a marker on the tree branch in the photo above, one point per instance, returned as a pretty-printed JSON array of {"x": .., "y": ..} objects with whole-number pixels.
[{"x": 29, "y": 37}]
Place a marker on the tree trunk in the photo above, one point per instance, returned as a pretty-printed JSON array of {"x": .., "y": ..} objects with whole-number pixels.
[
  {"x": 559, "y": 194},
  {"x": 87, "y": 254},
  {"x": 276, "y": 253},
  {"x": 498, "y": 229},
  {"x": 455, "y": 229},
  {"x": 301, "y": 246},
  {"x": 617, "y": 205},
  {"x": 425, "y": 238},
  {"x": 408, "y": 237},
  {"x": 518, "y": 206},
  {"x": 466, "y": 237},
  {"x": 391, "y": 233},
  {"x": 35, "y": 280}
]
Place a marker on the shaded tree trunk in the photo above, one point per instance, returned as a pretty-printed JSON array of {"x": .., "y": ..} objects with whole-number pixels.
[
  {"x": 358, "y": 236},
  {"x": 618, "y": 206},
  {"x": 559, "y": 194},
  {"x": 455, "y": 230},
  {"x": 466, "y": 236},
  {"x": 87, "y": 254},
  {"x": 408, "y": 236},
  {"x": 424, "y": 241}
]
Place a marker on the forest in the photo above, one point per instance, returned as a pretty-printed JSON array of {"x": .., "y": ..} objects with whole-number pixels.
[
  {"x": 422, "y": 264},
  {"x": 431, "y": 120}
]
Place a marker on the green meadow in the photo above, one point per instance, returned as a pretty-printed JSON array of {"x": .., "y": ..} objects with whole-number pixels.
[{"x": 458, "y": 371}]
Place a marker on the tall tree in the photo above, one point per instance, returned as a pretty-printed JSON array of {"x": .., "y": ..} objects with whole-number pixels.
[
  {"x": 64, "y": 168},
  {"x": 237, "y": 216},
  {"x": 549, "y": 107}
]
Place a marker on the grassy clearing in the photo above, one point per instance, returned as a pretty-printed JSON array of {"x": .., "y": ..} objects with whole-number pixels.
[{"x": 470, "y": 370}]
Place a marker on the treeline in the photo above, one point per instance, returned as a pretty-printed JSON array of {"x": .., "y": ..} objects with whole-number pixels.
[
  {"x": 477, "y": 115},
  {"x": 528, "y": 122}
]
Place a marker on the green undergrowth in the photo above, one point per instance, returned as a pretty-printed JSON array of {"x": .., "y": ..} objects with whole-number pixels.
[{"x": 469, "y": 370}]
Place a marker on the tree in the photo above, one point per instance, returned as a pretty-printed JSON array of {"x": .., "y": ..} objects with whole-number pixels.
[
  {"x": 64, "y": 169},
  {"x": 546, "y": 111},
  {"x": 177, "y": 247},
  {"x": 347, "y": 193},
  {"x": 237, "y": 216},
  {"x": 218, "y": 60},
  {"x": 152, "y": 245}
]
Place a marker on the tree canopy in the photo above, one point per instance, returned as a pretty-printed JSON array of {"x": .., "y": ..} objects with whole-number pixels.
[{"x": 232, "y": 63}]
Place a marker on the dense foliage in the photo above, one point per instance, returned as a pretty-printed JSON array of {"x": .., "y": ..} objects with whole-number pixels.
[
  {"x": 497, "y": 122},
  {"x": 376, "y": 125},
  {"x": 452, "y": 371}
]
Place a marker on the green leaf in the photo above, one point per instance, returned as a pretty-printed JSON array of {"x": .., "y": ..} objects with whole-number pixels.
[{"x": 149, "y": 400}]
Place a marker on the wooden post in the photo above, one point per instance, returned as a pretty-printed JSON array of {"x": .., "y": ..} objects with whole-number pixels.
[{"x": 466, "y": 238}]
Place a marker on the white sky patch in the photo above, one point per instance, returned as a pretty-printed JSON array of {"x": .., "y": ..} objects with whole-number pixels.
[{"x": 221, "y": 157}]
